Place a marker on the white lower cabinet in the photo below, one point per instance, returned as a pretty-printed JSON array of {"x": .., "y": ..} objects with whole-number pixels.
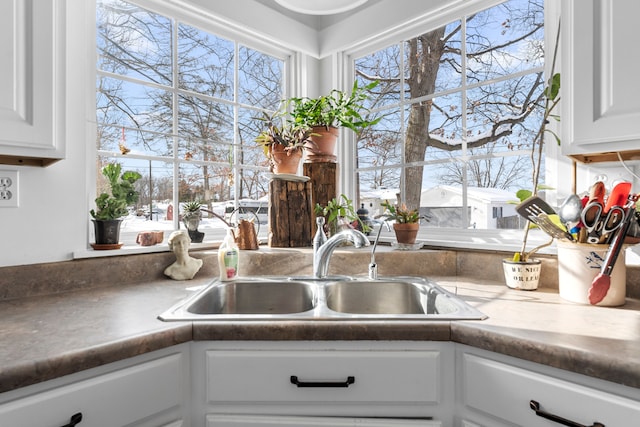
[
  {"x": 499, "y": 391},
  {"x": 145, "y": 391},
  {"x": 323, "y": 384}
]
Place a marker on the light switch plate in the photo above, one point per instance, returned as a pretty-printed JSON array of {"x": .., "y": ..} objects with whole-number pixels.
[{"x": 8, "y": 189}]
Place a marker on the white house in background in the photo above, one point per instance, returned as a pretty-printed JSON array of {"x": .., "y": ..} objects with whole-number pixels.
[
  {"x": 443, "y": 204},
  {"x": 373, "y": 199}
]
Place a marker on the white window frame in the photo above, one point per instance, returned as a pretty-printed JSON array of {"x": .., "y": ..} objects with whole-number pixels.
[
  {"x": 458, "y": 238},
  {"x": 213, "y": 24}
]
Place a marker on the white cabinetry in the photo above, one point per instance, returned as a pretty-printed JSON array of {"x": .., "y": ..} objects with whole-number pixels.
[
  {"x": 600, "y": 91},
  {"x": 32, "y": 75},
  {"x": 145, "y": 391},
  {"x": 496, "y": 391},
  {"x": 316, "y": 383}
]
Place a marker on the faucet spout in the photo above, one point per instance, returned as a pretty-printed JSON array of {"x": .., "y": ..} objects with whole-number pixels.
[{"x": 323, "y": 254}]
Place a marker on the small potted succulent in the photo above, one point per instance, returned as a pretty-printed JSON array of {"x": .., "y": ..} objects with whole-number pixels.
[
  {"x": 191, "y": 217},
  {"x": 325, "y": 114},
  {"x": 406, "y": 221},
  {"x": 283, "y": 142},
  {"x": 110, "y": 208}
]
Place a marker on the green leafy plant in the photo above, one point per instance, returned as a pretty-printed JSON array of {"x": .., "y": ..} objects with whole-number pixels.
[
  {"x": 292, "y": 136},
  {"x": 123, "y": 193},
  {"x": 192, "y": 208},
  {"x": 551, "y": 95},
  {"x": 338, "y": 108},
  {"x": 337, "y": 208},
  {"x": 401, "y": 214}
]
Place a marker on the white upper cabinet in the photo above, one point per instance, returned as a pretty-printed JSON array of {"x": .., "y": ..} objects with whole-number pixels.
[
  {"x": 600, "y": 90},
  {"x": 32, "y": 76}
]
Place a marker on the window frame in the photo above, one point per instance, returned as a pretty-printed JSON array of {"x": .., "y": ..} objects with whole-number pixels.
[
  {"x": 446, "y": 237},
  {"x": 207, "y": 22}
]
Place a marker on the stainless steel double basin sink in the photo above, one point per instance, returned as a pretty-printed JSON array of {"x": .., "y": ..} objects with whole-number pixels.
[{"x": 333, "y": 298}]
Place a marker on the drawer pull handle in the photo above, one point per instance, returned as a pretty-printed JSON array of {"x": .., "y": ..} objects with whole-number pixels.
[
  {"x": 555, "y": 418},
  {"x": 350, "y": 380},
  {"x": 75, "y": 420}
]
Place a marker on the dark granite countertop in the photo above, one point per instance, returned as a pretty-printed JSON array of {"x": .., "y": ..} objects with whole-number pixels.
[{"x": 44, "y": 337}]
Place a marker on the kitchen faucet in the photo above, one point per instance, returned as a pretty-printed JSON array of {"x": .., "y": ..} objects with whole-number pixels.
[
  {"x": 373, "y": 267},
  {"x": 322, "y": 253}
]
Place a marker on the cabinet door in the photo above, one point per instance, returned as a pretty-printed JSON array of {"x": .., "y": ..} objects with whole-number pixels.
[
  {"x": 600, "y": 90},
  {"x": 32, "y": 81},
  {"x": 503, "y": 391},
  {"x": 148, "y": 394}
]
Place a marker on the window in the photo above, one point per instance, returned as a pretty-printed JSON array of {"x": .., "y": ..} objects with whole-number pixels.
[
  {"x": 179, "y": 104},
  {"x": 460, "y": 106}
]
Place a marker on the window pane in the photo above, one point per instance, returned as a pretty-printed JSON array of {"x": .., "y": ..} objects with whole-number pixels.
[
  {"x": 133, "y": 105},
  {"x": 133, "y": 42},
  {"x": 206, "y": 129},
  {"x": 260, "y": 79},
  {"x": 205, "y": 62},
  {"x": 505, "y": 39},
  {"x": 385, "y": 66},
  {"x": 155, "y": 189},
  {"x": 502, "y": 113},
  {"x": 381, "y": 145}
]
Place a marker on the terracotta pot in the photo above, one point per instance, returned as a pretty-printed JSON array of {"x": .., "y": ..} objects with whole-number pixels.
[
  {"x": 406, "y": 233},
  {"x": 322, "y": 147},
  {"x": 283, "y": 162}
]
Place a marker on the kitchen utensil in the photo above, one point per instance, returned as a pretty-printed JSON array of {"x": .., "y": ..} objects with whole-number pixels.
[
  {"x": 549, "y": 226},
  {"x": 533, "y": 206},
  {"x": 618, "y": 196},
  {"x": 596, "y": 195},
  {"x": 598, "y": 224},
  {"x": 569, "y": 211},
  {"x": 602, "y": 282}
]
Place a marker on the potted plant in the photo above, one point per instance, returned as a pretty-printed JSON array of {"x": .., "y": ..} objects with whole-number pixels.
[
  {"x": 339, "y": 213},
  {"x": 522, "y": 271},
  {"x": 191, "y": 217},
  {"x": 283, "y": 142},
  {"x": 110, "y": 208},
  {"x": 407, "y": 222},
  {"x": 324, "y": 115}
]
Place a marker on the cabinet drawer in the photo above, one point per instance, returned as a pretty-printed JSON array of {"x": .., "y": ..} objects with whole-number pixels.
[
  {"x": 266, "y": 376},
  {"x": 119, "y": 398},
  {"x": 504, "y": 391}
]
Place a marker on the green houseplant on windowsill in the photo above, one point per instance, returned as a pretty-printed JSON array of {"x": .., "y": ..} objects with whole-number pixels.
[
  {"x": 191, "y": 217},
  {"x": 283, "y": 142},
  {"x": 339, "y": 213},
  {"x": 325, "y": 114},
  {"x": 406, "y": 221},
  {"x": 110, "y": 208}
]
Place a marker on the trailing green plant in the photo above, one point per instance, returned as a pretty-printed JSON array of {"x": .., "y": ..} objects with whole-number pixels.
[
  {"x": 551, "y": 95},
  {"x": 336, "y": 109},
  {"x": 292, "y": 136},
  {"x": 123, "y": 193},
  {"x": 401, "y": 214},
  {"x": 337, "y": 208}
]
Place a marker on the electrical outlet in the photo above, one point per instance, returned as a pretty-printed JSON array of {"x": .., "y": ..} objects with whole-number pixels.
[{"x": 8, "y": 189}]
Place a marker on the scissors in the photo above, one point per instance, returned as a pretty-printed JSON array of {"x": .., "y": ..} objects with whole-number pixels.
[{"x": 598, "y": 226}]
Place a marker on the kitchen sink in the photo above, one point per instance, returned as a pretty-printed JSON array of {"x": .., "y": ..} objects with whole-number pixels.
[
  {"x": 255, "y": 297},
  {"x": 300, "y": 298}
]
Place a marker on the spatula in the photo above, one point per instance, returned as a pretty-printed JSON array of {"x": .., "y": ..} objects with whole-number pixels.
[{"x": 534, "y": 206}]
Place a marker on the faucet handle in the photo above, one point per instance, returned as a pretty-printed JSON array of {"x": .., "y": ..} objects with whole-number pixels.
[{"x": 373, "y": 271}]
